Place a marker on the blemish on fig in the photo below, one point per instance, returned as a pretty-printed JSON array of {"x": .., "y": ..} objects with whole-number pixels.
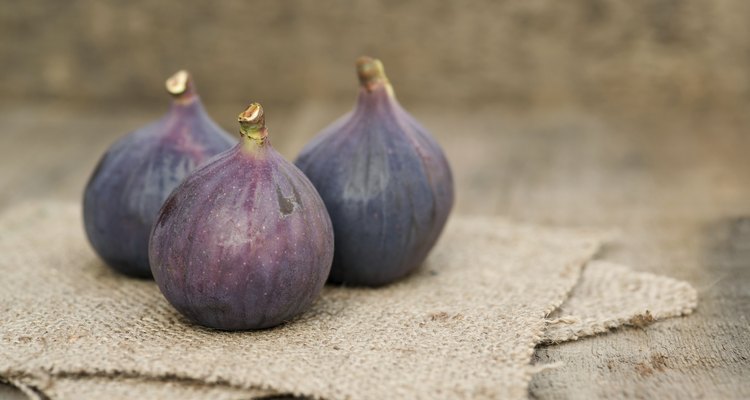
[{"x": 286, "y": 204}]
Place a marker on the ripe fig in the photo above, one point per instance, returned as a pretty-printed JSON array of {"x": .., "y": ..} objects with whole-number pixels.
[
  {"x": 385, "y": 181},
  {"x": 136, "y": 174},
  {"x": 245, "y": 242}
]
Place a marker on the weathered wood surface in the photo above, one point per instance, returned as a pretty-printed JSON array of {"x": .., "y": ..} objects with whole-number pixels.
[{"x": 677, "y": 190}]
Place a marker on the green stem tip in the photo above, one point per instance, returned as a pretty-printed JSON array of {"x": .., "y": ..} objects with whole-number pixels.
[
  {"x": 180, "y": 85},
  {"x": 371, "y": 73},
  {"x": 253, "y": 123}
]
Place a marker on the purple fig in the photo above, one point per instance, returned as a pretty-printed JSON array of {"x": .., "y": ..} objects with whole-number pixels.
[
  {"x": 136, "y": 174},
  {"x": 385, "y": 181},
  {"x": 245, "y": 242}
]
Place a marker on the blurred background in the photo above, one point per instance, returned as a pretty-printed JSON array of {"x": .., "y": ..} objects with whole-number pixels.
[
  {"x": 687, "y": 56},
  {"x": 536, "y": 102},
  {"x": 516, "y": 91},
  {"x": 493, "y": 80}
]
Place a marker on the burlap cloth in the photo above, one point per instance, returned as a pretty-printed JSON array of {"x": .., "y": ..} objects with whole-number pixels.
[{"x": 464, "y": 326}]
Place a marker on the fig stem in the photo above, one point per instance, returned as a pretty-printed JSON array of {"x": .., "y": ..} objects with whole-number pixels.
[
  {"x": 372, "y": 74},
  {"x": 253, "y": 123},
  {"x": 181, "y": 87}
]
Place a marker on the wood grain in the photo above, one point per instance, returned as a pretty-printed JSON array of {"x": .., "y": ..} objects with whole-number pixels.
[{"x": 677, "y": 189}]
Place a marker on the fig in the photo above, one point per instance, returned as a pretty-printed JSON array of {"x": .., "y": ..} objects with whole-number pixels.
[
  {"x": 245, "y": 242},
  {"x": 385, "y": 181},
  {"x": 137, "y": 173}
]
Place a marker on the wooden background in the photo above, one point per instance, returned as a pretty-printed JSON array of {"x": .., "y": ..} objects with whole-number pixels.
[
  {"x": 625, "y": 115},
  {"x": 619, "y": 56}
]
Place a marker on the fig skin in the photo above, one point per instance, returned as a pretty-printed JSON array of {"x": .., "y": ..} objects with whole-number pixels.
[
  {"x": 245, "y": 242},
  {"x": 386, "y": 183},
  {"x": 136, "y": 174}
]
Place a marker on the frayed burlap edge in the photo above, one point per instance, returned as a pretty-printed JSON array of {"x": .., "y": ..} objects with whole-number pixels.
[{"x": 610, "y": 295}]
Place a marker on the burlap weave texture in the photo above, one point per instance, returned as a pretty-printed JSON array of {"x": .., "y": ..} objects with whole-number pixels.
[{"x": 464, "y": 326}]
